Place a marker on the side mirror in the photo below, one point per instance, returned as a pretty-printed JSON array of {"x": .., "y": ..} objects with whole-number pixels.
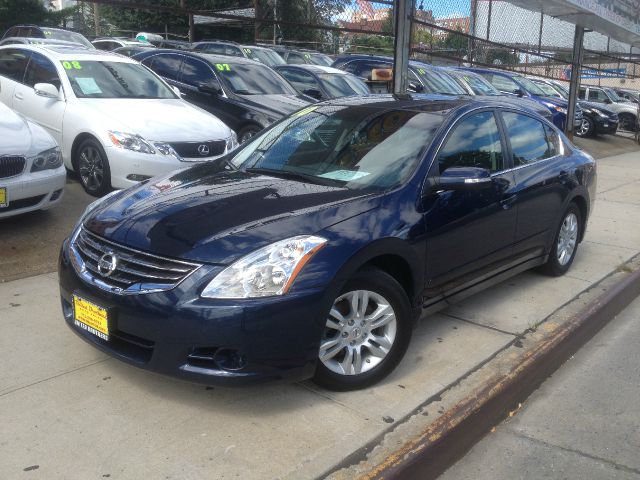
[
  {"x": 463, "y": 178},
  {"x": 210, "y": 88},
  {"x": 519, "y": 92},
  {"x": 47, "y": 90},
  {"x": 607, "y": 101},
  {"x": 313, "y": 93},
  {"x": 416, "y": 87},
  {"x": 177, "y": 91}
]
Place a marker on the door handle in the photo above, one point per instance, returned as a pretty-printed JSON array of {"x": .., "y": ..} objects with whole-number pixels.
[
  {"x": 18, "y": 95},
  {"x": 508, "y": 201}
]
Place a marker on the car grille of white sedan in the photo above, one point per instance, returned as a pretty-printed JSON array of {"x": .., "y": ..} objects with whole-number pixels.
[
  {"x": 11, "y": 165},
  {"x": 122, "y": 269},
  {"x": 213, "y": 148}
]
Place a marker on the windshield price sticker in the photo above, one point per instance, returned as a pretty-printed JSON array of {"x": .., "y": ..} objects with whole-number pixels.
[
  {"x": 247, "y": 51},
  {"x": 422, "y": 71},
  {"x": 74, "y": 65},
  {"x": 223, "y": 67}
]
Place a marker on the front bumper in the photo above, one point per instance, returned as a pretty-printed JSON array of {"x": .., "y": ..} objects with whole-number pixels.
[
  {"x": 33, "y": 191},
  {"x": 203, "y": 340},
  {"x": 605, "y": 126},
  {"x": 129, "y": 167}
]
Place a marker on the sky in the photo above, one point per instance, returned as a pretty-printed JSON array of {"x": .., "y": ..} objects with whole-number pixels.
[{"x": 440, "y": 8}]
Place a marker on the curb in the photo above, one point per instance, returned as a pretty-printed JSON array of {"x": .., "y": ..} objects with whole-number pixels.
[{"x": 427, "y": 452}]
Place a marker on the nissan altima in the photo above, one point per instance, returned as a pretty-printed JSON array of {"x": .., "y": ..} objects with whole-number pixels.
[{"x": 310, "y": 251}]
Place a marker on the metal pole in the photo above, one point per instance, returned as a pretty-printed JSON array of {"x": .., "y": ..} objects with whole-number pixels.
[
  {"x": 402, "y": 22},
  {"x": 489, "y": 19},
  {"x": 540, "y": 32},
  {"x": 576, "y": 64},
  {"x": 472, "y": 30}
]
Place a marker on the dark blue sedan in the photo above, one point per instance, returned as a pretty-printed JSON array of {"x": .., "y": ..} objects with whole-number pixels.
[{"x": 311, "y": 251}]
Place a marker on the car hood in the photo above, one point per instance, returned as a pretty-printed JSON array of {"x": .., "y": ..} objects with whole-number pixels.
[
  {"x": 167, "y": 120},
  {"x": 20, "y": 136},
  {"x": 276, "y": 106},
  {"x": 215, "y": 215},
  {"x": 559, "y": 102},
  {"x": 596, "y": 106}
]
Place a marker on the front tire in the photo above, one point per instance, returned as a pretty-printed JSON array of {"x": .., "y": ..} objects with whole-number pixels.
[
  {"x": 565, "y": 244},
  {"x": 587, "y": 128},
  {"x": 628, "y": 122},
  {"x": 93, "y": 168},
  {"x": 366, "y": 334}
]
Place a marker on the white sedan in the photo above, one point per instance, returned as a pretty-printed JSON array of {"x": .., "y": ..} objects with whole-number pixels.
[
  {"x": 32, "y": 176},
  {"x": 117, "y": 123}
]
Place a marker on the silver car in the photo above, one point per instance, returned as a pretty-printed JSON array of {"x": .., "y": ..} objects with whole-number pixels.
[{"x": 32, "y": 176}]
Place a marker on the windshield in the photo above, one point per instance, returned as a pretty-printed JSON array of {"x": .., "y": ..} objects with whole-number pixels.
[
  {"x": 91, "y": 79},
  {"x": 256, "y": 79},
  {"x": 562, "y": 90},
  {"x": 436, "y": 82},
  {"x": 529, "y": 86},
  {"x": 479, "y": 85},
  {"x": 319, "y": 59},
  {"x": 548, "y": 90},
  {"x": 356, "y": 147},
  {"x": 615, "y": 97},
  {"x": 66, "y": 36},
  {"x": 342, "y": 85},
  {"x": 264, "y": 56}
]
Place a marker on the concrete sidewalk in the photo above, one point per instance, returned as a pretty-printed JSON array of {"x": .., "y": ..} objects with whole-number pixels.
[
  {"x": 67, "y": 411},
  {"x": 583, "y": 423}
]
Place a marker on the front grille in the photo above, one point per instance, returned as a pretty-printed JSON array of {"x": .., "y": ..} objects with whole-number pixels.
[
  {"x": 11, "y": 165},
  {"x": 190, "y": 149},
  {"x": 22, "y": 203},
  {"x": 135, "y": 271}
]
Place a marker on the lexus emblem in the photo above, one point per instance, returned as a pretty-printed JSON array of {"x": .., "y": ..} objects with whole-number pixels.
[
  {"x": 203, "y": 149},
  {"x": 107, "y": 264}
]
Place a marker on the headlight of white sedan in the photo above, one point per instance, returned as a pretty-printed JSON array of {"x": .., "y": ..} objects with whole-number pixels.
[
  {"x": 268, "y": 271},
  {"x": 46, "y": 160},
  {"x": 130, "y": 141}
]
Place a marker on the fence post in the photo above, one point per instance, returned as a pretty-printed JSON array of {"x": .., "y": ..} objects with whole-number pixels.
[
  {"x": 402, "y": 10},
  {"x": 576, "y": 62}
]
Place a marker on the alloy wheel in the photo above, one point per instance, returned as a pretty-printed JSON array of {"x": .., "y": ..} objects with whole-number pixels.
[
  {"x": 359, "y": 333},
  {"x": 584, "y": 128},
  {"x": 91, "y": 168},
  {"x": 567, "y": 238}
]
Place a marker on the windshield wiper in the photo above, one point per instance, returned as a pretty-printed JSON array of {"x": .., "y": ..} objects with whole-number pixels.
[
  {"x": 244, "y": 92},
  {"x": 288, "y": 174}
]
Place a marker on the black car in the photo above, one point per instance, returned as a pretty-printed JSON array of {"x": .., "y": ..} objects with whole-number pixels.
[
  {"x": 597, "y": 120},
  {"x": 133, "y": 50},
  {"x": 252, "y": 52},
  {"x": 311, "y": 251},
  {"x": 302, "y": 56},
  {"x": 244, "y": 94},
  {"x": 173, "y": 44},
  {"x": 423, "y": 78},
  {"x": 34, "y": 31},
  {"x": 322, "y": 83}
]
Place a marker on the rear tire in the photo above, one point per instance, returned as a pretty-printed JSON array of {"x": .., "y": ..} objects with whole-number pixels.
[
  {"x": 92, "y": 167},
  {"x": 565, "y": 243},
  {"x": 367, "y": 332},
  {"x": 628, "y": 122}
]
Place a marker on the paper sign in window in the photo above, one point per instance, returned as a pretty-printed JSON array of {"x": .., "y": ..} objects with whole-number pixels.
[
  {"x": 344, "y": 175},
  {"x": 88, "y": 85}
]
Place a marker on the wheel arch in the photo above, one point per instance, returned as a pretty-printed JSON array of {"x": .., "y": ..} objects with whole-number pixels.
[
  {"x": 583, "y": 206},
  {"x": 81, "y": 137}
]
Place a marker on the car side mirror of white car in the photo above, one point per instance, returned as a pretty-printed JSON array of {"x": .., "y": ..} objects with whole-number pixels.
[
  {"x": 177, "y": 91},
  {"x": 47, "y": 90}
]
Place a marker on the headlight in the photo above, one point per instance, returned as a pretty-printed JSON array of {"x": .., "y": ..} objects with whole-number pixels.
[
  {"x": 600, "y": 113},
  {"x": 165, "y": 149},
  {"x": 559, "y": 109},
  {"x": 232, "y": 142},
  {"x": 130, "y": 142},
  {"x": 268, "y": 271},
  {"x": 93, "y": 205},
  {"x": 49, "y": 159}
]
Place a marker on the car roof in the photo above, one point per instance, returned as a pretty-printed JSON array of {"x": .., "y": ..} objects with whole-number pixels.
[
  {"x": 210, "y": 57},
  {"x": 314, "y": 68},
  {"x": 72, "y": 52}
]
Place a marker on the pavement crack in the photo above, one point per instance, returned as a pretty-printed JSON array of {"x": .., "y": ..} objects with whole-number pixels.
[
  {"x": 489, "y": 327},
  {"x": 596, "y": 458},
  {"x": 7, "y": 392}
]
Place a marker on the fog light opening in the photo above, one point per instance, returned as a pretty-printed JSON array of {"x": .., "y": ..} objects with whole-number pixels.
[
  {"x": 134, "y": 177},
  {"x": 230, "y": 360},
  {"x": 55, "y": 195}
]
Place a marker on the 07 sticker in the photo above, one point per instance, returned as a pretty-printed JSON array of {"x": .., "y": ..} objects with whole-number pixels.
[{"x": 223, "y": 67}]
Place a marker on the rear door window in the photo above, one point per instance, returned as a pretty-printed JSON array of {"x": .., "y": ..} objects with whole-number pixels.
[
  {"x": 301, "y": 80},
  {"x": 165, "y": 64},
  {"x": 13, "y": 63},
  {"x": 531, "y": 140},
  {"x": 295, "y": 58},
  {"x": 474, "y": 142}
]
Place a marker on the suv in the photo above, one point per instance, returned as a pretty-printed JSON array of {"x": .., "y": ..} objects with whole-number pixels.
[
  {"x": 423, "y": 78},
  {"x": 34, "y": 31},
  {"x": 627, "y": 111},
  {"x": 117, "y": 123},
  {"x": 245, "y": 94},
  {"x": 511, "y": 83},
  {"x": 631, "y": 95}
]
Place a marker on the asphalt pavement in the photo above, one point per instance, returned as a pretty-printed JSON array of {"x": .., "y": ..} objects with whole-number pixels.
[{"x": 583, "y": 423}]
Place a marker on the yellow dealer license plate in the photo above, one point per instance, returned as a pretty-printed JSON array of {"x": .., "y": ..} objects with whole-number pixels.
[
  {"x": 91, "y": 317},
  {"x": 4, "y": 201}
]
